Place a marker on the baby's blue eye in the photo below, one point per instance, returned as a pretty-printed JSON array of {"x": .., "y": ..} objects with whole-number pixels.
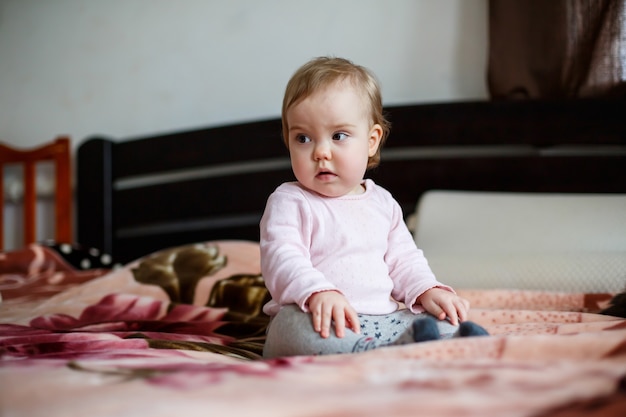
[
  {"x": 340, "y": 136},
  {"x": 302, "y": 139}
]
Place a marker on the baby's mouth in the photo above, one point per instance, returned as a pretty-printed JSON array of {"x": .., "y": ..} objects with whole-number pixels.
[{"x": 325, "y": 174}]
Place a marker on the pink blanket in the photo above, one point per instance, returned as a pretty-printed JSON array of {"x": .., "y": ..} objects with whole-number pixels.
[{"x": 180, "y": 333}]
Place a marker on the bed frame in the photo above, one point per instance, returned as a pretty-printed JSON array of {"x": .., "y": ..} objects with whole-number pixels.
[{"x": 139, "y": 195}]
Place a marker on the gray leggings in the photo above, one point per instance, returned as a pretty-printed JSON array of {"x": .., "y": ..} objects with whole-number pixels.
[{"x": 291, "y": 333}]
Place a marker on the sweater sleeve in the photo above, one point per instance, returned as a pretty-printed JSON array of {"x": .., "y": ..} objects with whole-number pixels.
[
  {"x": 285, "y": 262},
  {"x": 408, "y": 267}
]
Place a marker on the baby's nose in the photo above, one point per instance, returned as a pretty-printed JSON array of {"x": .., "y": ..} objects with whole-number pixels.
[{"x": 322, "y": 151}]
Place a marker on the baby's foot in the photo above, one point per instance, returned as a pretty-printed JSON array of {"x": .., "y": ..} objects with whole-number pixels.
[
  {"x": 469, "y": 328},
  {"x": 425, "y": 329}
]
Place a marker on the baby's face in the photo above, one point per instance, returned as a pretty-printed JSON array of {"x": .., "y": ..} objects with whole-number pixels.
[{"x": 331, "y": 138}]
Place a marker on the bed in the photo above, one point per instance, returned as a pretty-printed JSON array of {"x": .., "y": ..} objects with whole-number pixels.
[{"x": 156, "y": 308}]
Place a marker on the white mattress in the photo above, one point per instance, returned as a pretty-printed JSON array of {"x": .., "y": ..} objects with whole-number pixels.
[{"x": 560, "y": 242}]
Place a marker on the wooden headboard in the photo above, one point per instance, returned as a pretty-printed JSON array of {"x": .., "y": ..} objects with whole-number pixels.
[{"x": 136, "y": 196}]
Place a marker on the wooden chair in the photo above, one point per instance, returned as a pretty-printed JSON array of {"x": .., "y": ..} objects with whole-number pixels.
[{"x": 57, "y": 151}]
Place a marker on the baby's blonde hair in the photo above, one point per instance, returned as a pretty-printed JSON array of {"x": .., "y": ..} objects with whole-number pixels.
[{"x": 321, "y": 72}]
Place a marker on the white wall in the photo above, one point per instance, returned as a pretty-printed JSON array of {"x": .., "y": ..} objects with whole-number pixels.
[
  {"x": 136, "y": 67},
  {"x": 129, "y": 68}
]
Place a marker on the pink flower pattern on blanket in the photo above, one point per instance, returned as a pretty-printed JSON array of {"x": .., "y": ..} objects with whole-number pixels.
[
  {"x": 118, "y": 321},
  {"x": 113, "y": 345}
]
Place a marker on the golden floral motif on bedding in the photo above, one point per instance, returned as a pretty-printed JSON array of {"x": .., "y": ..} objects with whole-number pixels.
[{"x": 178, "y": 270}]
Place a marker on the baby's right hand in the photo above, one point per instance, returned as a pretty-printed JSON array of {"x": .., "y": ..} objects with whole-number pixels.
[{"x": 326, "y": 306}]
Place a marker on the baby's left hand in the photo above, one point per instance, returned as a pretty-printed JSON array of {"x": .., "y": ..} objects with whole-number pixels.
[{"x": 442, "y": 303}]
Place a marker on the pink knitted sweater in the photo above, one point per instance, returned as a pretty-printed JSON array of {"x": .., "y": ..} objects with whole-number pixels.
[{"x": 356, "y": 244}]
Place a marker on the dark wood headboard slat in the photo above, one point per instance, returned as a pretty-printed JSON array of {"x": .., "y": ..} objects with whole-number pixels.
[
  {"x": 133, "y": 247},
  {"x": 197, "y": 148},
  {"x": 141, "y": 195},
  {"x": 212, "y": 196},
  {"x": 516, "y": 174},
  {"x": 210, "y": 224},
  {"x": 540, "y": 123},
  {"x": 94, "y": 172},
  {"x": 210, "y": 171}
]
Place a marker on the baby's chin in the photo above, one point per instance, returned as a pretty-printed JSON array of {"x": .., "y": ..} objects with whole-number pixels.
[{"x": 333, "y": 192}]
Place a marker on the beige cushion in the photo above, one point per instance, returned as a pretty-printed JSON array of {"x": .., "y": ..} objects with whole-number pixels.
[{"x": 560, "y": 242}]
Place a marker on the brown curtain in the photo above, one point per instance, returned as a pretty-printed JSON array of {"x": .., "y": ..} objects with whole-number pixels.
[{"x": 556, "y": 48}]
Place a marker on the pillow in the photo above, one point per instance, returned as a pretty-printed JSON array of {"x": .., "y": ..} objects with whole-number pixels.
[
  {"x": 560, "y": 242},
  {"x": 81, "y": 257}
]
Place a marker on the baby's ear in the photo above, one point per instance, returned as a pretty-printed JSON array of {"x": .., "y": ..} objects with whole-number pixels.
[{"x": 375, "y": 136}]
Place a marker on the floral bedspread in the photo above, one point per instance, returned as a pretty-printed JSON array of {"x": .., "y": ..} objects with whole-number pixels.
[{"x": 180, "y": 332}]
